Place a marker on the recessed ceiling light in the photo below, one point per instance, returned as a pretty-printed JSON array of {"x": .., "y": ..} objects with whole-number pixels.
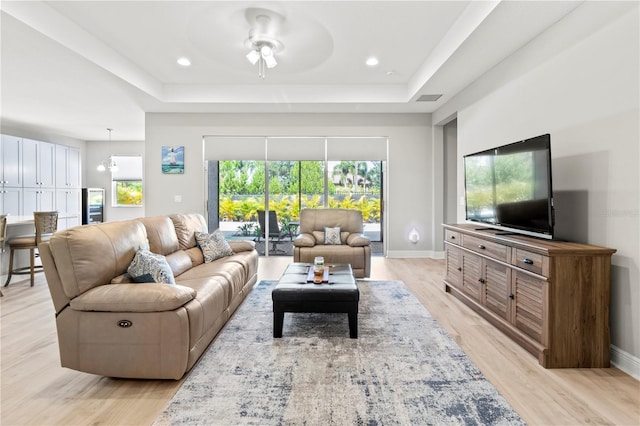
[
  {"x": 185, "y": 62},
  {"x": 372, "y": 61}
]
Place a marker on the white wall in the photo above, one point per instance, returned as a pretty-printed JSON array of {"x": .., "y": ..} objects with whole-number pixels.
[
  {"x": 586, "y": 95},
  {"x": 409, "y": 202}
]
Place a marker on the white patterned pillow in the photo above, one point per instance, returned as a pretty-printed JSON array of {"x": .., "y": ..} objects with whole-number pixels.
[
  {"x": 148, "y": 267},
  {"x": 213, "y": 245},
  {"x": 332, "y": 236}
]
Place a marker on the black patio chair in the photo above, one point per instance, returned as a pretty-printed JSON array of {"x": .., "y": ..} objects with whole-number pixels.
[{"x": 275, "y": 234}]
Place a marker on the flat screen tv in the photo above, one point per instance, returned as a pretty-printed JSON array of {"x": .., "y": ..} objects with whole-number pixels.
[{"x": 509, "y": 187}]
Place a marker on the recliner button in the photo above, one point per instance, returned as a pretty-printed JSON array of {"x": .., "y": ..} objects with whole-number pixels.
[{"x": 125, "y": 323}]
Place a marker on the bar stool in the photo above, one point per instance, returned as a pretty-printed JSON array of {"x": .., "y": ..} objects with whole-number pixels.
[
  {"x": 46, "y": 224},
  {"x": 3, "y": 232}
]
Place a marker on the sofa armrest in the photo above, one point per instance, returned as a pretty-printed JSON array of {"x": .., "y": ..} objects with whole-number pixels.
[
  {"x": 304, "y": 240},
  {"x": 238, "y": 246},
  {"x": 152, "y": 297},
  {"x": 358, "y": 240}
]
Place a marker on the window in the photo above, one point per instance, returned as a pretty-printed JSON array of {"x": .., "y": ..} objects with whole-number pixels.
[{"x": 126, "y": 185}]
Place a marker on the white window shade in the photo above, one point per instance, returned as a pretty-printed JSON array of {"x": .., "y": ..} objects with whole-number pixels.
[
  {"x": 357, "y": 148},
  {"x": 295, "y": 148},
  {"x": 283, "y": 148},
  {"x": 234, "y": 148},
  {"x": 129, "y": 168}
]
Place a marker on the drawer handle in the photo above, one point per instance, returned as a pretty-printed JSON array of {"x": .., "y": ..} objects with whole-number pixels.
[
  {"x": 481, "y": 247},
  {"x": 453, "y": 237},
  {"x": 527, "y": 261}
]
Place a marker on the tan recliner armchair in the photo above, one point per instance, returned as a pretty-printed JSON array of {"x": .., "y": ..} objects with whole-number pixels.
[{"x": 353, "y": 247}]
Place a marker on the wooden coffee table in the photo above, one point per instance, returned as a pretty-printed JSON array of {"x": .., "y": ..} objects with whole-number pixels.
[{"x": 293, "y": 293}]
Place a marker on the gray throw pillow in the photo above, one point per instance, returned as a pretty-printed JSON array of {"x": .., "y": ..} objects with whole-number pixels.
[
  {"x": 213, "y": 246},
  {"x": 148, "y": 267},
  {"x": 332, "y": 236}
]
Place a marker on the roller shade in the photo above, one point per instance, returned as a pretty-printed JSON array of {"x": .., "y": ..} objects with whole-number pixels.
[
  {"x": 294, "y": 149},
  {"x": 281, "y": 148},
  {"x": 234, "y": 148},
  {"x": 357, "y": 148},
  {"x": 129, "y": 168}
]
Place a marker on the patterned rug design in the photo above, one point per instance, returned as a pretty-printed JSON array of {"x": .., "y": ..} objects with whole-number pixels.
[{"x": 402, "y": 370}]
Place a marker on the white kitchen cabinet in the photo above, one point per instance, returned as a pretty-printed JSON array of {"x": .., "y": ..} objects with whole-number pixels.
[
  {"x": 67, "y": 166},
  {"x": 38, "y": 165},
  {"x": 11, "y": 161}
]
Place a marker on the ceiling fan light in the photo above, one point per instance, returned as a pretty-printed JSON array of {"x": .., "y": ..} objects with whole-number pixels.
[
  {"x": 270, "y": 61},
  {"x": 266, "y": 51},
  {"x": 253, "y": 56},
  {"x": 101, "y": 167}
]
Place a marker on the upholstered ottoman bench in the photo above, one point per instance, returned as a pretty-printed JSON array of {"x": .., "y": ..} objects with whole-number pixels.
[{"x": 294, "y": 293}]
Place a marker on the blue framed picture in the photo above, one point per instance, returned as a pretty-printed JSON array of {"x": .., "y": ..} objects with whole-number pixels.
[{"x": 173, "y": 160}]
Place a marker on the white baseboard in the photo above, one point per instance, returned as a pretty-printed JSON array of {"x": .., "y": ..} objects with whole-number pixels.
[
  {"x": 625, "y": 361},
  {"x": 414, "y": 254}
]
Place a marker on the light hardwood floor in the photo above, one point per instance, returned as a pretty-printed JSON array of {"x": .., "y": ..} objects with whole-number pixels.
[{"x": 35, "y": 390}]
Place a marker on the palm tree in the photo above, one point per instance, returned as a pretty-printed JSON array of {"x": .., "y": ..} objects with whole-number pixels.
[{"x": 363, "y": 172}]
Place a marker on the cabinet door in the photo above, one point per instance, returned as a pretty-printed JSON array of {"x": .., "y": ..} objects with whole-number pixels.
[
  {"x": 68, "y": 202},
  {"x": 74, "y": 168},
  {"x": 453, "y": 266},
  {"x": 11, "y": 162},
  {"x": 38, "y": 167},
  {"x": 47, "y": 165},
  {"x": 68, "y": 206},
  {"x": 11, "y": 201},
  {"x": 529, "y": 313},
  {"x": 67, "y": 167},
  {"x": 62, "y": 180},
  {"x": 497, "y": 288},
  {"x": 30, "y": 201},
  {"x": 36, "y": 199},
  {"x": 472, "y": 275},
  {"x": 30, "y": 163}
]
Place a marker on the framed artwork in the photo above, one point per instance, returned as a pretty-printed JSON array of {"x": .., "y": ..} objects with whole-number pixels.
[{"x": 173, "y": 160}]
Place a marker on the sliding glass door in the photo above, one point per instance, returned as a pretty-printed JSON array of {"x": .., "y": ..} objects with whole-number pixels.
[
  {"x": 301, "y": 173},
  {"x": 358, "y": 185}
]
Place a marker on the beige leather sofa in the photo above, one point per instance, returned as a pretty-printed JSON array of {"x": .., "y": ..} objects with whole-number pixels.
[
  {"x": 354, "y": 247},
  {"x": 112, "y": 327}
]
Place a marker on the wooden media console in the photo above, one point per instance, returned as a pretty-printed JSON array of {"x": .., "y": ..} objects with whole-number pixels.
[{"x": 551, "y": 297}]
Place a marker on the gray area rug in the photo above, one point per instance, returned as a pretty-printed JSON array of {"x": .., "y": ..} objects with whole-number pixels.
[{"x": 402, "y": 370}]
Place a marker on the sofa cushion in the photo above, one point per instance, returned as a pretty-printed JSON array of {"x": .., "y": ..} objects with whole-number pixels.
[
  {"x": 196, "y": 256},
  {"x": 238, "y": 246},
  {"x": 348, "y": 220},
  {"x": 214, "y": 246},
  {"x": 161, "y": 234},
  {"x": 179, "y": 261},
  {"x": 319, "y": 237},
  {"x": 332, "y": 236},
  {"x": 149, "y": 267},
  {"x": 133, "y": 298},
  {"x": 358, "y": 240},
  {"x": 90, "y": 256},
  {"x": 186, "y": 226},
  {"x": 304, "y": 240}
]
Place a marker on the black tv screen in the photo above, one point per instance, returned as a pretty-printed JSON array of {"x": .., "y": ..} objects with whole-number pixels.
[{"x": 509, "y": 187}]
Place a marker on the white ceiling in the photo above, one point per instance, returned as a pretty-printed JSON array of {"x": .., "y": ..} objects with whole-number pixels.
[{"x": 74, "y": 68}]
